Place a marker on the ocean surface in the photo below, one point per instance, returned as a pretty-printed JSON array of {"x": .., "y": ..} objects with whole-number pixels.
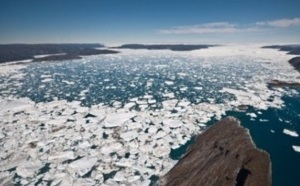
[{"x": 209, "y": 84}]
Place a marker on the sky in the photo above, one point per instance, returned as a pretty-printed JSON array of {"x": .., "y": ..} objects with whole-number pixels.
[{"x": 115, "y": 22}]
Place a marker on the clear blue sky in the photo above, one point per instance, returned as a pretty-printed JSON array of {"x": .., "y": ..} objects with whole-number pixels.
[{"x": 150, "y": 21}]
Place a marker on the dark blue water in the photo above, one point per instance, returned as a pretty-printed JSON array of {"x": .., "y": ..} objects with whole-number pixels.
[
  {"x": 108, "y": 80},
  {"x": 285, "y": 161}
]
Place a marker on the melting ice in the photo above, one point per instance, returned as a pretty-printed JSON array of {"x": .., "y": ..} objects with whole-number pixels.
[{"x": 114, "y": 119}]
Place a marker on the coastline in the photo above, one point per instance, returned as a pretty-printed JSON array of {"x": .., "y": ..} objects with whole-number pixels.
[{"x": 49, "y": 52}]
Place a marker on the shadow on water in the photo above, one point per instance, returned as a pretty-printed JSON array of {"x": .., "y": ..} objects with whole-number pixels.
[{"x": 176, "y": 154}]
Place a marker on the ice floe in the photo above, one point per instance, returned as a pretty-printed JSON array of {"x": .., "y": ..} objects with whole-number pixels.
[
  {"x": 252, "y": 115},
  {"x": 290, "y": 133},
  {"x": 62, "y": 156},
  {"x": 83, "y": 165},
  {"x": 113, "y": 120},
  {"x": 296, "y": 148},
  {"x": 76, "y": 141},
  {"x": 254, "y": 98},
  {"x": 169, "y": 82},
  {"x": 29, "y": 169},
  {"x": 118, "y": 119},
  {"x": 46, "y": 55}
]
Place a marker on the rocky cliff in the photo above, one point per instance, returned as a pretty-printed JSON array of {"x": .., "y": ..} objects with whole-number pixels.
[{"x": 223, "y": 155}]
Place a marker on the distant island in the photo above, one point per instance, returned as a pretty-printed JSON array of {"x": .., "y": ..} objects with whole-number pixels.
[
  {"x": 295, "y": 62},
  {"x": 291, "y": 49},
  {"x": 175, "y": 47},
  {"x": 49, "y": 52}
]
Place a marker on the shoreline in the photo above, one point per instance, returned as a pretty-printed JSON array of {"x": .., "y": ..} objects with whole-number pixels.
[{"x": 49, "y": 52}]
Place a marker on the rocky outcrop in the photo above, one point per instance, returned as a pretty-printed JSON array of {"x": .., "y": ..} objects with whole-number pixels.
[
  {"x": 223, "y": 155},
  {"x": 17, "y": 52},
  {"x": 295, "y": 62}
]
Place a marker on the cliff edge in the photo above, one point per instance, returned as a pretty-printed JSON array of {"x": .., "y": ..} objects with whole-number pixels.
[{"x": 222, "y": 155}]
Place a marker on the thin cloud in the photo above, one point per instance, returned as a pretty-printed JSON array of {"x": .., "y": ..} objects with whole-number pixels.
[
  {"x": 208, "y": 28},
  {"x": 282, "y": 23},
  {"x": 228, "y": 28}
]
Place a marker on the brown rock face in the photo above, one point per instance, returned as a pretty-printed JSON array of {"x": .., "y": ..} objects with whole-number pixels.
[{"x": 223, "y": 155}]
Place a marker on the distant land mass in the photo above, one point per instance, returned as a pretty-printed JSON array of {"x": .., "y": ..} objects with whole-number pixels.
[
  {"x": 175, "y": 47},
  {"x": 291, "y": 49},
  {"x": 295, "y": 62},
  {"x": 17, "y": 52}
]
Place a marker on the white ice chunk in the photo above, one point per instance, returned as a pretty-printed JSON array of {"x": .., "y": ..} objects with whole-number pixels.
[
  {"x": 152, "y": 129},
  {"x": 161, "y": 151},
  {"x": 252, "y": 115},
  {"x": 46, "y": 55},
  {"x": 119, "y": 176},
  {"x": 133, "y": 179},
  {"x": 109, "y": 148},
  {"x": 146, "y": 183},
  {"x": 169, "y": 104},
  {"x": 130, "y": 135},
  {"x": 83, "y": 165},
  {"x": 28, "y": 169},
  {"x": 124, "y": 163},
  {"x": 296, "y": 148},
  {"x": 263, "y": 120},
  {"x": 16, "y": 106},
  {"x": 67, "y": 155},
  {"x": 184, "y": 103},
  {"x": 47, "y": 80},
  {"x": 151, "y": 101},
  {"x": 290, "y": 132},
  {"x": 68, "y": 82},
  {"x": 160, "y": 134},
  {"x": 1, "y": 135},
  {"x": 129, "y": 105},
  {"x": 46, "y": 76},
  {"x": 183, "y": 89},
  {"x": 140, "y": 102},
  {"x": 198, "y": 88},
  {"x": 172, "y": 123},
  {"x": 85, "y": 182},
  {"x": 84, "y": 145},
  {"x": 169, "y": 95},
  {"x": 14, "y": 160},
  {"x": 169, "y": 82},
  {"x": 6, "y": 179},
  {"x": 117, "y": 119},
  {"x": 181, "y": 74}
]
